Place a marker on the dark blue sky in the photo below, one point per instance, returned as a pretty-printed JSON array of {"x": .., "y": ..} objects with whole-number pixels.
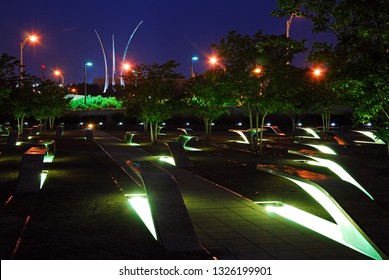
[{"x": 171, "y": 29}]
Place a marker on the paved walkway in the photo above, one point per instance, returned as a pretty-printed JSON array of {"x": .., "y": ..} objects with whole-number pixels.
[{"x": 230, "y": 226}]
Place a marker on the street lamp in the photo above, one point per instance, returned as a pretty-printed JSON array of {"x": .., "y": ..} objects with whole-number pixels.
[
  {"x": 257, "y": 70},
  {"x": 192, "y": 74},
  {"x": 126, "y": 67},
  {"x": 213, "y": 61},
  {"x": 85, "y": 88},
  {"x": 58, "y": 73},
  {"x": 32, "y": 39},
  {"x": 317, "y": 72}
]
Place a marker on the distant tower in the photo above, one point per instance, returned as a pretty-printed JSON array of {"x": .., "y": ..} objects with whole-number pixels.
[
  {"x": 125, "y": 53},
  {"x": 113, "y": 63},
  {"x": 105, "y": 63}
]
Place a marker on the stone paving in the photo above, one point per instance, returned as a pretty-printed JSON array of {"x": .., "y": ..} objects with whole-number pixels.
[{"x": 228, "y": 225}]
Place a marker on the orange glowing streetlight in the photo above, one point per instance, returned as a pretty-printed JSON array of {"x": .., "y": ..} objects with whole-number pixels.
[
  {"x": 58, "y": 73},
  {"x": 126, "y": 67},
  {"x": 317, "y": 72},
  {"x": 31, "y": 38},
  {"x": 257, "y": 70},
  {"x": 213, "y": 60}
]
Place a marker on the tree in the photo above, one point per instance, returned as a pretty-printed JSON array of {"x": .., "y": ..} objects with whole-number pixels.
[
  {"x": 257, "y": 67},
  {"x": 8, "y": 79},
  {"x": 20, "y": 103},
  {"x": 210, "y": 97},
  {"x": 153, "y": 94},
  {"x": 361, "y": 51},
  {"x": 48, "y": 102}
]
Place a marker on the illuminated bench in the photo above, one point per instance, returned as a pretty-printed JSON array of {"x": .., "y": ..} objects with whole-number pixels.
[
  {"x": 26, "y": 133},
  {"x": 59, "y": 130},
  {"x": 185, "y": 130},
  {"x": 184, "y": 139},
  {"x": 49, "y": 145},
  {"x": 89, "y": 134},
  {"x": 30, "y": 173},
  {"x": 170, "y": 222},
  {"x": 12, "y": 138},
  {"x": 275, "y": 129},
  {"x": 370, "y": 135},
  {"x": 247, "y": 133},
  {"x": 310, "y": 131},
  {"x": 178, "y": 154},
  {"x": 4, "y": 130},
  {"x": 159, "y": 129},
  {"x": 36, "y": 129},
  {"x": 244, "y": 133},
  {"x": 334, "y": 197},
  {"x": 128, "y": 137}
]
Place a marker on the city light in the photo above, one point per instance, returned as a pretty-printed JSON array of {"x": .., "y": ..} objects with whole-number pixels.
[{"x": 58, "y": 73}]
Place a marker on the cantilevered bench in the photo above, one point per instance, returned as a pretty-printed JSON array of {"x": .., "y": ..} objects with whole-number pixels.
[
  {"x": 29, "y": 180},
  {"x": 184, "y": 139},
  {"x": 89, "y": 134},
  {"x": 129, "y": 136},
  {"x": 172, "y": 223},
  {"x": 49, "y": 144},
  {"x": 179, "y": 154}
]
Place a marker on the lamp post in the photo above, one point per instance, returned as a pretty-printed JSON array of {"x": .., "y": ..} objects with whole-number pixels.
[
  {"x": 194, "y": 58},
  {"x": 85, "y": 85},
  {"x": 58, "y": 73},
  {"x": 32, "y": 38}
]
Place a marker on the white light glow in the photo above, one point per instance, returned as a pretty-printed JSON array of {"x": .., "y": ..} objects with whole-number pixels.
[
  {"x": 167, "y": 159},
  {"x": 323, "y": 149},
  {"x": 339, "y": 171},
  {"x": 43, "y": 177},
  {"x": 351, "y": 235},
  {"x": 141, "y": 206},
  {"x": 48, "y": 158},
  {"x": 371, "y": 136},
  {"x": 244, "y": 137},
  {"x": 310, "y": 131},
  {"x": 308, "y": 220}
]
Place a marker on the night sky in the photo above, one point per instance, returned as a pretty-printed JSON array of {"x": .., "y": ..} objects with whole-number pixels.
[{"x": 171, "y": 29}]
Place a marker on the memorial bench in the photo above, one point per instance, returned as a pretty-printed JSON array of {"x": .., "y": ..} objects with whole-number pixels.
[
  {"x": 129, "y": 136},
  {"x": 171, "y": 221},
  {"x": 29, "y": 180}
]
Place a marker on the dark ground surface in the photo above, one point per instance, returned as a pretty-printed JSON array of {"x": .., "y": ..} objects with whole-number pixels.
[{"x": 81, "y": 214}]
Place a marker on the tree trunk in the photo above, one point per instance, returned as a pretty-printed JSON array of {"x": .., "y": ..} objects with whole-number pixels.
[
  {"x": 151, "y": 133},
  {"x": 251, "y": 129},
  {"x": 156, "y": 132},
  {"x": 206, "y": 126},
  {"x": 20, "y": 121},
  {"x": 261, "y": 134}
]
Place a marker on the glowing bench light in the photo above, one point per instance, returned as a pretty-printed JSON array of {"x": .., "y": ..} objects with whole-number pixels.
[
  {"x": 344, "y": 231},
  {"x": 184, "y": 139},
  {"x": 307, "y": 220},
  {"x": 141, "y": 206},
  {"x": 48, "y": 158},
  {"x": 371, "y": 136},
  {"x": 43, "y": 177},
  {"x": 335, "y": 168},
  {"x": 241, "y": 134},
  {"x": 339, "y": 171},
  {"x": 167, "y": 159},
  {"x": 323, "y": 149},
  {"x": 311, "y": 132}
]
